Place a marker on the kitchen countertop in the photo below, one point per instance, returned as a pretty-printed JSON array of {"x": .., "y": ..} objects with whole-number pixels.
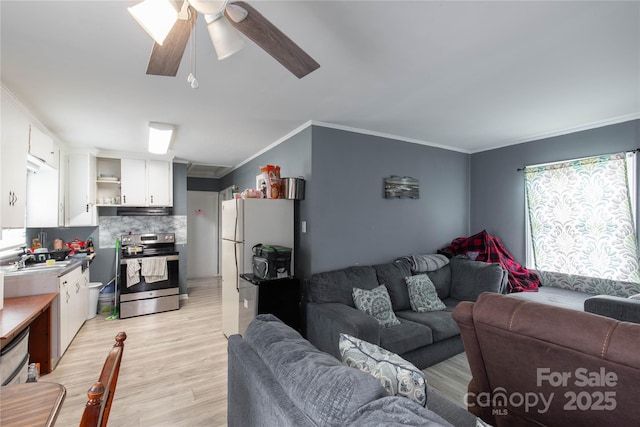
[
  {"x": 60, "y": 268},
  {"x": 19, "y": 313}
]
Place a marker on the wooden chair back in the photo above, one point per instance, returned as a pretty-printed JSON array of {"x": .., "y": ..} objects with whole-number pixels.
[{"x": 100, "y": 394}]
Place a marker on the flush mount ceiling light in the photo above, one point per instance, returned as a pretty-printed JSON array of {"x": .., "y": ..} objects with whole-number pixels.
[
  {"x": 159, "y": 137},
  {"x": 157, "y": 17}
]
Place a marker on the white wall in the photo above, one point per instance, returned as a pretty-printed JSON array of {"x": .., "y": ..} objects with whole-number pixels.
[{"x": 202, "y": 234}]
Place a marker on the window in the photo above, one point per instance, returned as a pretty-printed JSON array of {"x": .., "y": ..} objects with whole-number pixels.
[
  {"x": 10, "y": 240},
  {"x": 580, "y": 217}
]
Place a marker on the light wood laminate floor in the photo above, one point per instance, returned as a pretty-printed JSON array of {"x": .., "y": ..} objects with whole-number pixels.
[
  {"x": 174, "y": 369},
  {"x": 451, "y": 378}
]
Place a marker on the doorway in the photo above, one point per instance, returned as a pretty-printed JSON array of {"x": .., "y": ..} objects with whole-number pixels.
[{"x": 202, "y": 234}]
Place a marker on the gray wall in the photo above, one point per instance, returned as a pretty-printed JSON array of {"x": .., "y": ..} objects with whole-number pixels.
[
  {"x": 497, "y": 188},
  {"x": 348, "y": 220},
  {"x": 294, "y": 158},
  {"x": 180, "y": 208},
  {"x": 351, "y": 222}
]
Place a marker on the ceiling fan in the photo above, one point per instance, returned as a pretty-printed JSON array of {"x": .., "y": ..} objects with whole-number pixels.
[{"x": 224, "y": 19}]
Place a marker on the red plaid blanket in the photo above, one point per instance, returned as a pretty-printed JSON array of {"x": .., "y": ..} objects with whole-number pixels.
[{"x": 491, "y": 249}]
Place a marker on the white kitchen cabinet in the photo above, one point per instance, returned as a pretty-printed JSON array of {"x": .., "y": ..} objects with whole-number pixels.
[
  {"x": 133, "y": 179},
  {"x": 63, "y": 331},
  {"x": 159, "y": 183},
  {"x": 63, "y": 197},
  {"x": 13, "y": 173},
  {"x": 146, "y": 182},
  {"x": 69, "y": 310},
  {"x": 42, "y": 147},
  {"x": 43, "y": 194},
  {"x": 82, "y": 190},
  {"x": 84, "y": 284},
  {"x": 42, "y": 198},
  {"x": 73, "y": 306}
]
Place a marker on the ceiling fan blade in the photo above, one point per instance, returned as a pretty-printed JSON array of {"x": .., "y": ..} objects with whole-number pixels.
[
  {"x": 274, "y": 42},
  {"x": 165, "y": 59}
]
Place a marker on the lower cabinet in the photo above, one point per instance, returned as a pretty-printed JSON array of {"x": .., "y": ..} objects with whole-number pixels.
[
  {"x": 73, "y": 306},
  {"x": 69, "y": 310}
]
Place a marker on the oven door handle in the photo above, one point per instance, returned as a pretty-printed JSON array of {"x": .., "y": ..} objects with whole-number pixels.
[{"x": 169, "y": 258}]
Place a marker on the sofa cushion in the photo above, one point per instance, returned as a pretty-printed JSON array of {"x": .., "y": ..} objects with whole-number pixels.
[
  {"x": 392, "y": 276},
  {"x": 422, "y": 294},
  {"x": 322, "y": 387},
  {"x": 376, "y": 303},
  {"x": 397, "y": 376},
  {"x": 441, "y": 323},
  {"x": 336, "y": 285},
  {"x": 450, "y": 303},
  {"x": 405, "y": 337},
  {"x": 470, "y": 278},
  {"x": 423, "y": 263},
  {"x": 441, "y": 279},
  {"x": 555, "y": 296}
]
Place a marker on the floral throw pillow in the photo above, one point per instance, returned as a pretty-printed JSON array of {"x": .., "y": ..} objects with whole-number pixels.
[
  {"x": 423, "y": 296},
  {"x": 376, "y": 303},
  {"x": 397, "y": 376}
]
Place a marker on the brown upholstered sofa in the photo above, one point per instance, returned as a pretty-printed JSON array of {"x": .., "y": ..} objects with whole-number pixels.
[{"x": 537, "y": 364}]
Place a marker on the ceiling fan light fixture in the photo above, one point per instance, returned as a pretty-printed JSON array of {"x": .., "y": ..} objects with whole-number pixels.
[
  {"x": 157, "y": 17},
  {"x": 226, "y": 39},
  {"x": 236, "y": 13},
  {"x": 159, "y": 137}
]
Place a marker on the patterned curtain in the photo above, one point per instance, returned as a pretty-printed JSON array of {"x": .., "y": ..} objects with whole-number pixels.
[{"x": 581, "y": 218}]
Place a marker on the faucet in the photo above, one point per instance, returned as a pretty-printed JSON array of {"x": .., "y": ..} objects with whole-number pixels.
[{"x": 22, "y": 263}]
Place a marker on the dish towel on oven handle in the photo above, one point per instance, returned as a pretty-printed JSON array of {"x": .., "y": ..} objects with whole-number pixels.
[
  {"x": 154, "y": 269},
  {"x": 133, "y": 272}
]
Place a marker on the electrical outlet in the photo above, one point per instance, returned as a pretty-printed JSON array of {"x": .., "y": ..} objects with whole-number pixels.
[
  {"x": 303, "y": 226},
  {"x": 246, "y": 303}
]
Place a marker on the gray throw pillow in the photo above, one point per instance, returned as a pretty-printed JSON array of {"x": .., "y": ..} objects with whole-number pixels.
[
  {"x": 397, "y": 376},
  {"x": 637, "y": 296},
  {"x": 376, "y": 303},
  {"x": 423, "y": 296}
]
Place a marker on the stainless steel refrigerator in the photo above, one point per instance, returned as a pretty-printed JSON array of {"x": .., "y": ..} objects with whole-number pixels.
[{"x": 245, "y": 223}]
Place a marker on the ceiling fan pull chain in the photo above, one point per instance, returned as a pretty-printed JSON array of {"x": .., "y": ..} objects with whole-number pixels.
[{"x": 193, "y": 81}]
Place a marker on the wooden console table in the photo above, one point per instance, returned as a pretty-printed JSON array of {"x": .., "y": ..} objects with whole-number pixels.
[{"x": 33, "y": 311}]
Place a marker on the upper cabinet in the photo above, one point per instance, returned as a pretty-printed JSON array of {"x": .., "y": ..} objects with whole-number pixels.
[
  {"x": 42, "y": 147},
  {"x": 13, "y": 157},
  {"x": 159, "y": 183},
  {"x": 81, "y": 172},
  {"x": 134, "y": 182},
  {"x": 43, "y": 198},
  {"x": 137, "y": 182},
  {"x": 43, "y": 183}
]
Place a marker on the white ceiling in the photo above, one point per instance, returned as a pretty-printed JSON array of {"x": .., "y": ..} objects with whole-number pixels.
[{"x": 469, "y": 76}]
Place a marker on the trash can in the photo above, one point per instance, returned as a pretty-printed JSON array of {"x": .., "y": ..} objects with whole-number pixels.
[
  {"x": 106, "y": 303},
  {"x": 94, "y": 293}
]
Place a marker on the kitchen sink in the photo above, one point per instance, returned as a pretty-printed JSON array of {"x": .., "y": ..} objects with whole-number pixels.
[
  {"x": 40, "y": 268},
  {"x": 43, "y": 266}
]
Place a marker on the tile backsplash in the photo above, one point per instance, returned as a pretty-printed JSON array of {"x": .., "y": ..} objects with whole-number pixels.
[{"x": 112, "y": 227}]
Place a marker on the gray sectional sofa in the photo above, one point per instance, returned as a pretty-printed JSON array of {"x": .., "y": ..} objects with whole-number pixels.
[
  {"x": 421, "y": 338},
  {"x": 605, "y": 297},
  {"x": 277, "y": 378}
]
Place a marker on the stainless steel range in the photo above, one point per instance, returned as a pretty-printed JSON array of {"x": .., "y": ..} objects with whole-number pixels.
[{"x": 148, "y": 280}]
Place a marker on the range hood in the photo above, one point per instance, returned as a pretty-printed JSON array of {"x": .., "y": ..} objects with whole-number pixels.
[{"x": 143, "y": 211}]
